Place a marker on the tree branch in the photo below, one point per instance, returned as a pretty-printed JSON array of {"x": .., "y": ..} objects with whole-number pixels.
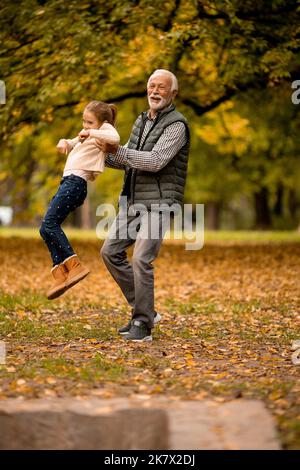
[
  {"x": 263, "y": 15},
  {"x": 169, "y": 24}
]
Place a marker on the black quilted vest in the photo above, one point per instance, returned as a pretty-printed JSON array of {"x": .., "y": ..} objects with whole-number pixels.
[{"x": 167, "y": 185}]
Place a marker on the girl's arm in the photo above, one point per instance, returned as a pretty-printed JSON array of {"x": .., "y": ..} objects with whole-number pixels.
[
  {"x": 66, "y": 145},
  {"x": 72, "y": 142},
  {"x": 107, "y": 133}
]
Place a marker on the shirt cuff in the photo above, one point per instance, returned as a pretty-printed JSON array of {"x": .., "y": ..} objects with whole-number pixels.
[{"x": 120, "y": 155}]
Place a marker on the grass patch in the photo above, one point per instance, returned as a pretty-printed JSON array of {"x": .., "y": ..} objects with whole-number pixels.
[
  {"x": 284, "y": 236},
  {"x": 34, "y": 329},
  {"x": 26, "y": 300}
]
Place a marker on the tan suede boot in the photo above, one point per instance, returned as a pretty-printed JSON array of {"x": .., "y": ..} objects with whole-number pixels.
[
  {"x": 59, "y": 274},
  {"x": 76, "y": 272}
]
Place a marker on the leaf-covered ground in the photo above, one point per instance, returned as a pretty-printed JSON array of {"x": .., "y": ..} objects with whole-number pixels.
[{"x": 230, "y": 312}]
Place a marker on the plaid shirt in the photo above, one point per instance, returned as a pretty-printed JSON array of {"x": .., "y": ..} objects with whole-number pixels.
[{"x": 168, "y": 145}]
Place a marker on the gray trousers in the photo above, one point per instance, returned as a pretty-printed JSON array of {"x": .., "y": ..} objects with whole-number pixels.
[{"x": 136, "y": 279}]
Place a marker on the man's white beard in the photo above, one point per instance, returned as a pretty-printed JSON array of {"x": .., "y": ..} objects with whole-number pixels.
[{"x": 156, "y": 106}]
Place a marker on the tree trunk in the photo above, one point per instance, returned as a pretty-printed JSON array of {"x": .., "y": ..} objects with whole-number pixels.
[
  {"x": 212, "y": 215},
  {"x": 80, "y": 218},
  {"x": 292, "y": 203},
  {"x": 278, "y": 208},
  {"x": 262, "y": 210},
  {"x": 21, "y": 198},
  {"x": 293, "y": 206}
]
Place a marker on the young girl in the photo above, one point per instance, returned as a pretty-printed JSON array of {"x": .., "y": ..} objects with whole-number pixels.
[{"x": 85, "y": 161}]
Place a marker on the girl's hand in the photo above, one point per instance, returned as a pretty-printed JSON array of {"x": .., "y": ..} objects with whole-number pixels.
[
  {"x": 84, "y": 134},
  {"x": 62, "y": 146}
]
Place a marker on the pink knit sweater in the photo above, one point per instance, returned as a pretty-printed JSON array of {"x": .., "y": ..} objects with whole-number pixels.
[{"x": 87, "y": 155}]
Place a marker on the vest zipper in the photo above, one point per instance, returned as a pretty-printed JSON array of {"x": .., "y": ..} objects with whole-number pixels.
[
  {"x": 133, "y": 177},
  {"x": 159, "y": 187},
  {"x": 134, "y": 171}
]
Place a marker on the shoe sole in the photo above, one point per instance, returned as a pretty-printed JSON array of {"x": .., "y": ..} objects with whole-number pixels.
[
  {"x": 77, "y": 278},
  {"x": 157, "y": 319},
  {"x": 57, "y": 293},
  {"x": 146, "y": 339}
]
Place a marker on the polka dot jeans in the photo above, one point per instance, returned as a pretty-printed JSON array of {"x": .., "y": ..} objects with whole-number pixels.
[{"x": 71, "y": 194}]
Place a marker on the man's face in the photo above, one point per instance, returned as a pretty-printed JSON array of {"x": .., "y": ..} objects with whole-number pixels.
[{"x": 159, "y": 91}]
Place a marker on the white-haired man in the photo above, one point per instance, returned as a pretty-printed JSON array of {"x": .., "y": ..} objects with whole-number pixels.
[{"x": 155, "y": 162}]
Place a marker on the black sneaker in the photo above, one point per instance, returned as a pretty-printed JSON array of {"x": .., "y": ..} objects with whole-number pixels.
[
  {"x": 125, "y": 329},
  {"x": 138, "y": 332}
]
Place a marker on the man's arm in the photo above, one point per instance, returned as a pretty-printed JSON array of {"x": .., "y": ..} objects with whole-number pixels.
[
  {"x": 110, "y": 162},
  {"x": 110, "y": 159},
  {"x": 170, "y": 142}
]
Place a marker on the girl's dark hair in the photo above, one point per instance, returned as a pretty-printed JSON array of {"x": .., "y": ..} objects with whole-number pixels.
[{"x": 103, "y": 111}]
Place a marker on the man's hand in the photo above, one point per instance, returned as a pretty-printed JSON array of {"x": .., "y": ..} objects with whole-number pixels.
[
  {"x": 108, "y": 148},
  {"x": 63, "y": 146}
]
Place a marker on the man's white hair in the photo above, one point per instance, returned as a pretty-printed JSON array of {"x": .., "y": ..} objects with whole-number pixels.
[{"x": 167, "y": 72}]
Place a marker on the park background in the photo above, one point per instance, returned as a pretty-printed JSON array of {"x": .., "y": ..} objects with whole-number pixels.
[{"x": 231, "y": 310}]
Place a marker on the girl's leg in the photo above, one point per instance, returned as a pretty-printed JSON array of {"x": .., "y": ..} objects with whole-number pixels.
[
  {"x": 46, "y": 232},
  {"x": 70, "y": 195}
]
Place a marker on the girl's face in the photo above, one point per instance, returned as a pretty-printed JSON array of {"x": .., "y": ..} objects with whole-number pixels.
[{"x": 90, "y": 121}]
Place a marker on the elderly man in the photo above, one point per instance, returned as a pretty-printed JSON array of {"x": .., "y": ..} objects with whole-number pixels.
[{"x": 155, "y": 162}]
